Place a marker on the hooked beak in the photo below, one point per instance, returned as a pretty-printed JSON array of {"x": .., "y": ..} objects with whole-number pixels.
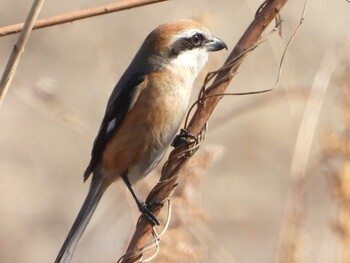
[{"x": 215, "y": 44}]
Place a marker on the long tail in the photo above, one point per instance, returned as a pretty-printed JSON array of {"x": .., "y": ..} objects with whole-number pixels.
[{"x": 97, "y": 188}]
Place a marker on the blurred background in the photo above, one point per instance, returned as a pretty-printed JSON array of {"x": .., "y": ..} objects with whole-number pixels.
[{"x": 237, "y": 203}]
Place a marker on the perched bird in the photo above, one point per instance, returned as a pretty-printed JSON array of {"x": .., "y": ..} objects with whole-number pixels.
[{"x": 143, "y": 115}]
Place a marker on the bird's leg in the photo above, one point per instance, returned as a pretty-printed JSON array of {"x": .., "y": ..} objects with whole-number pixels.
[
  {"x": 143, "y": 207},
  {"x": 181, "y": 138}
]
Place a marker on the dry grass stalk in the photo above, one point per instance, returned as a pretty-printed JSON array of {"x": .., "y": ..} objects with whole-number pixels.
[
  {"x": 289, "y": 250},
  {"x": 290, "y": 242},
  {"x": 18, "y": 49}
]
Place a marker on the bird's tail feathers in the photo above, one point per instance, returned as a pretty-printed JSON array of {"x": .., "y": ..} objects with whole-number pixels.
[{"x": 97, "y": 188}]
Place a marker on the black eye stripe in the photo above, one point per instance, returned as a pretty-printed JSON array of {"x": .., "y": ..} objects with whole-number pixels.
[{"x": 187, "y": 43}]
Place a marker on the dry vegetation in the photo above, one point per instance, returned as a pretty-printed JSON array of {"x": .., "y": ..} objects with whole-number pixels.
[{"x": 337, "y": 157}]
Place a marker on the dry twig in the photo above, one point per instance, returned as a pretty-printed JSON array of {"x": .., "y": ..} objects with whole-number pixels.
[
  {"x": 301, "y": 21},
  {"x": 18, "y": 49},
  {"x": 77, "y": 15},
  {"x": 180, "y": 155}
]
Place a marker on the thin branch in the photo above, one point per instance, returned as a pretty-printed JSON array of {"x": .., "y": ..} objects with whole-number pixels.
[
  {"x": 18, "y": 49},
  {"x": 203, "y": 98},
  {"x": 254, "y": 105},
  {"x": 179, "y": 156},
  {"x": 301, "y": 21},
  {"x": 77, "y": 15}
]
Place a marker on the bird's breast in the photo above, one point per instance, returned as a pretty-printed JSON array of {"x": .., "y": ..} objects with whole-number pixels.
[{"x": 149, "y": 127}]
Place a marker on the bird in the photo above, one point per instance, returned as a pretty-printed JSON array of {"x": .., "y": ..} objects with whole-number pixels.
[{"x": 143, "y": 115}]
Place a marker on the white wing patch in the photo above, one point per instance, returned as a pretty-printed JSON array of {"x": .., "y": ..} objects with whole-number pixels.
[{"x": 111, "y": 125}]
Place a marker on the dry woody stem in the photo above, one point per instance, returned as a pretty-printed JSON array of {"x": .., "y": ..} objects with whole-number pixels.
[
  {"x": 180, "y": 155},
  {"x": 77, "y": 15}
]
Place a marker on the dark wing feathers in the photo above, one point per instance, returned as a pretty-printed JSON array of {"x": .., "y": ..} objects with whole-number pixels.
[{"x": 118, "y": 106}]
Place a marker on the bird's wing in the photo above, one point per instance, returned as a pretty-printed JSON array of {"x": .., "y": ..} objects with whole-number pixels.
[{"x": 121, "y": 101}]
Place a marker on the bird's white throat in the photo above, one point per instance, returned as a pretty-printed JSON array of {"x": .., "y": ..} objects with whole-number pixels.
[{"x": 192, "y": 61}]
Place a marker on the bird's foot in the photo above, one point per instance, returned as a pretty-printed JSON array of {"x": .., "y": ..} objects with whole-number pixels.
[
  {"x": 182, "y": 138},
  {"x": 145, "y": 210}
]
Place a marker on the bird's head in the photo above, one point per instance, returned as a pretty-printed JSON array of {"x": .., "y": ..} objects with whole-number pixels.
[{"x": 181, "y": 45}]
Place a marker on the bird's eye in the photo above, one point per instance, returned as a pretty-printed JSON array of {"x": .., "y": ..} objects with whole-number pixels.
[{"x": 197, "y": 39}]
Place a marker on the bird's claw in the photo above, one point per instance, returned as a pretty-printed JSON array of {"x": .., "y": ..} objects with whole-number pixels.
[
  {"x": 145, "y": 210},
  {"x": 181, "y": 138}
]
